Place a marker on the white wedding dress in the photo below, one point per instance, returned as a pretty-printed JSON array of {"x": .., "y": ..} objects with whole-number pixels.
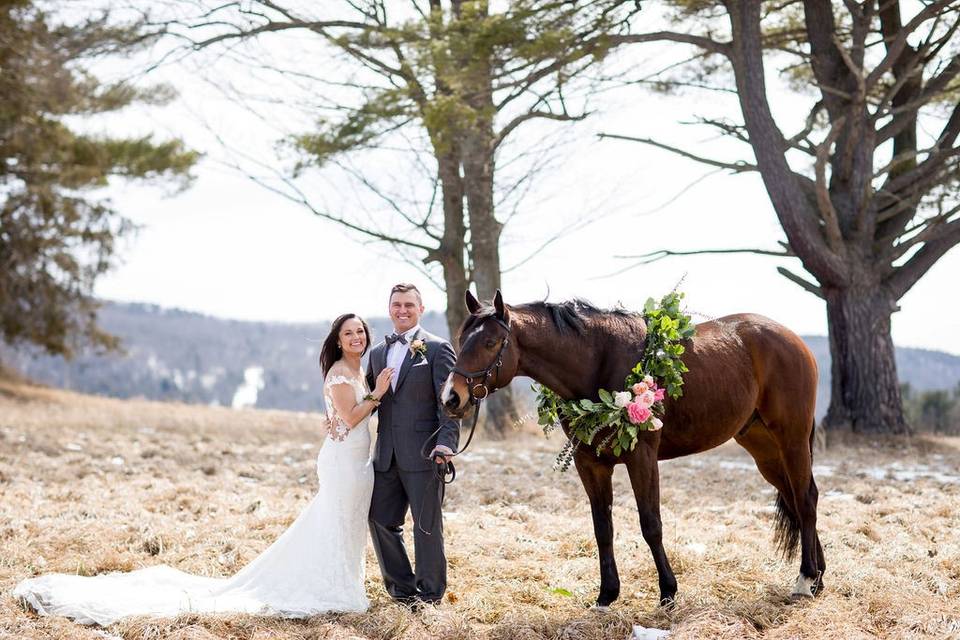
[{"x": 315, "y": 566}]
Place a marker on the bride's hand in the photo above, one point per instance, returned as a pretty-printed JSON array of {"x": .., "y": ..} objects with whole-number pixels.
[{"x": 383, "y": 382}]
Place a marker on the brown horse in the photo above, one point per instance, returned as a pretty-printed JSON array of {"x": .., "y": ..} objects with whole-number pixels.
[{"x": 750, "y": 379}]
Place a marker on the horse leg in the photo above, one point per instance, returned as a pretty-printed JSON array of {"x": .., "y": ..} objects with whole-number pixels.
[
  {"x": 645, "y": 479},
  {"x": 597, "y": 479},
  {"x": 798, "y": 463},
  {"x": 789, "y": 470}
]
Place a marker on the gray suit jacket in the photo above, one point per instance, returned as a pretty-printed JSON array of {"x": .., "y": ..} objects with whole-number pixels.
[{"x": 408, "y": 416}]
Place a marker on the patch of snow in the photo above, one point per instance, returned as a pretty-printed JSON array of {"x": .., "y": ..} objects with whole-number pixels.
[
  {"x": 73, "y": 446},
  {"x": 116, "y": 461},
  {"x": 697, "y": 547},
  {"x": 208, "y": 380},
  {"x": 246, "y": 393},
  {"x": 737, "y": 465},
  {"x": 645, "y": 633},
  {"x": 839, "y": 495},
  {"x": 899, "y": 472}
]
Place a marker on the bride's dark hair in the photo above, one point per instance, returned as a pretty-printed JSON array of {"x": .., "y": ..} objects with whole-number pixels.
[{"x": 331, "y": 351}]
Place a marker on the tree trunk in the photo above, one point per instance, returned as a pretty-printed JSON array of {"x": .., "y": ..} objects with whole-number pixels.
[
  {"x": 865, "y": 391},
  {"x": 478, "y": 169},
  {"x": 451, "y": 253}
]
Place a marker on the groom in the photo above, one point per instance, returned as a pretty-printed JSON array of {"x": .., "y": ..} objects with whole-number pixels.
[{"x": 408, "y": 415}]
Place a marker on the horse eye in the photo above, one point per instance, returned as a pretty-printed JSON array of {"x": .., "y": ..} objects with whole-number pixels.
[{"x": 491, "y": 344}]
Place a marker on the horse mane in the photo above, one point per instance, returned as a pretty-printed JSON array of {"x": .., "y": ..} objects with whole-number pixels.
[
  {"x": 568, "y": 316},
  {"x": 577, "y": 314}
]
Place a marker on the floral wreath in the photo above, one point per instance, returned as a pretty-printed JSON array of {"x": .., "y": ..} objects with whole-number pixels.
[{"x": 640, "y": 406}]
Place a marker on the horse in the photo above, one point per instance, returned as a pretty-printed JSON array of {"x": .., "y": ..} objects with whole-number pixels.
[{"x": 749, "y": 378}]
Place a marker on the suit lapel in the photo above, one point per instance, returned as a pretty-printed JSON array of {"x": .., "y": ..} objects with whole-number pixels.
[
  {"x": 382, "y": 358},
  {"x": 407, "y": 361}
]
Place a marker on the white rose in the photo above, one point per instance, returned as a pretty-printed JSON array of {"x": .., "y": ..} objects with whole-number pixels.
[
  {"x": 646, "y": 399},
  {"x": 648, "y": 379},
  {"x": 657, "y": 423},
  {"x": 622, "y": 398}
]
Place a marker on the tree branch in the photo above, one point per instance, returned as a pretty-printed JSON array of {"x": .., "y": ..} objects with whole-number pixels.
[
  {"x": 735, "y": 167},
  {"x": 906, "y": 275},
  {"x": 824, "y": 203},
  {"x": 722, "y": 48},
  {"x": 896, "y": 46},
  {"x": 803, "y": 283},
  {"x": 530, "y": 115}
]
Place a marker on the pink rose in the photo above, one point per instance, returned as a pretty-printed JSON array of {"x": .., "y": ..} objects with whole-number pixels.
[
  {"x": 639, "y": 388},
  {"x": 638, "y": 413},
  {"x": 646, "y": 398},
  {"x": 658, "y": 395},
  {"x": 649, "y": 380},
  {"x": 656, "y": 424}
]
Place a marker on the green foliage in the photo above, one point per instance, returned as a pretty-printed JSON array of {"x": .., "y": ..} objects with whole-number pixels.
[
  {"x": 585, "y": 419},
  {"x": 667, "y": 327},
  {"x": 444, "y": 67},
  {"x": 936, "y": 411},
  {"x": 56, "y": 234}
]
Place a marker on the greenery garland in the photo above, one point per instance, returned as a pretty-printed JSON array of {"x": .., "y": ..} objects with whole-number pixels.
[{"x": 640, "y": 406}]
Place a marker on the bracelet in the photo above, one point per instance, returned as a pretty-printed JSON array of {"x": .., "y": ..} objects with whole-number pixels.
[{"x": 371, "y": 398}]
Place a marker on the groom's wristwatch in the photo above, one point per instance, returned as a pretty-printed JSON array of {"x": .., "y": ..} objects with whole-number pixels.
[{"x": 372, "y": 398}]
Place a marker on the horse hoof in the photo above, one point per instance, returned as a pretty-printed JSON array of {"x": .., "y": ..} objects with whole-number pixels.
[
  {"x": 669, "y": 602},
  {"x": 803, "y": 588},
  {"x": 600, "y": 608},
  {"x": 818, "y": 587}
]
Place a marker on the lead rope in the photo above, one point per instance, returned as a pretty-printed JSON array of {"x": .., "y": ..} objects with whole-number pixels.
[{"x": 445, "y": 469}]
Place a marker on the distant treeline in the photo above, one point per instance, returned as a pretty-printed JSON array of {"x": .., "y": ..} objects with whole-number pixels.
[
  {"x": 170, "y": 354},
  {"x": 936, "y": 411}
]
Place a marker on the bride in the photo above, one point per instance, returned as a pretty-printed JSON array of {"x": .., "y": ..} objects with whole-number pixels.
[{"x": 315, "y": 566}]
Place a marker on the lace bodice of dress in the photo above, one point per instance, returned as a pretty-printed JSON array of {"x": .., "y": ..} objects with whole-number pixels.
[{"x": 338, "y": 429}]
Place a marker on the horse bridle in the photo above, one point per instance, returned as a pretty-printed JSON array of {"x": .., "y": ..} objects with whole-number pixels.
[{"x": 483, "y": 374}]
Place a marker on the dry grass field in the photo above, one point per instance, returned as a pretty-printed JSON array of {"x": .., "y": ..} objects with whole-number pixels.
[{"x": 91, "y": 485}]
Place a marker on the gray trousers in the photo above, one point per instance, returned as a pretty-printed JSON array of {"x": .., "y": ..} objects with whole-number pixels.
[{"x": 394, "y": 491}]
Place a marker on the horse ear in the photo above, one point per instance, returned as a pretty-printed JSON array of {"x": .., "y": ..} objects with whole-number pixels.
[
  {"x": 473, "y": 305},
  {"x": 499, "y": 306}
]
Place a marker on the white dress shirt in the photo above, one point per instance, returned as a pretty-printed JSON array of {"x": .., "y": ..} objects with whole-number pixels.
[{"x": 396, "y": 353}]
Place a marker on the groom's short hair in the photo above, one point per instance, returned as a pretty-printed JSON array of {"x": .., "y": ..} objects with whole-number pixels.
[{"x": 404, "y": 287}]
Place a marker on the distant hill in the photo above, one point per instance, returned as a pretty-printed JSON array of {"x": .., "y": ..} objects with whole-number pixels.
[
  {"x": 179, "y": 355},
  {"x": 170, "y": 354}
]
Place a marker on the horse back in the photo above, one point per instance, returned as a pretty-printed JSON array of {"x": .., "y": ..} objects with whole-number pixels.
[{"x": 741, "y": 367}]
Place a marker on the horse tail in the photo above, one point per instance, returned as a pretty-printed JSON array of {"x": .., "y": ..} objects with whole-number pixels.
[
  {"x": 786, "y": 531},
  {"x": 813, "y": 436}
]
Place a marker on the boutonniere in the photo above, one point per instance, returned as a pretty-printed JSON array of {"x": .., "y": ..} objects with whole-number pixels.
[{"x": 418, "y": 347}]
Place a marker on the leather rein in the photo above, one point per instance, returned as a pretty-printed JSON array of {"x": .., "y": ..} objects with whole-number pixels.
[{"x": 446, "y": 472}]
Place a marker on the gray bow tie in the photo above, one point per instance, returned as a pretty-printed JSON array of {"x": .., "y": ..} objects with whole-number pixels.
[{"x": 393, "y": 337}]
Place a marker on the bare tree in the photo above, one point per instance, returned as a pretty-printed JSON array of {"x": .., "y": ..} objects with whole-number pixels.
[
  {"x": 456, "y": 74},
  {"x": 865, "y": 187}
]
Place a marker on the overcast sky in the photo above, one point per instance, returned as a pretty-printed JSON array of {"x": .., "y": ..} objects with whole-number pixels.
[{"x": 230, "y": 248}]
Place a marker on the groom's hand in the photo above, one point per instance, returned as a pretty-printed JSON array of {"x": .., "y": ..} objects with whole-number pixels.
[{"x": 441, "y": 453}]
